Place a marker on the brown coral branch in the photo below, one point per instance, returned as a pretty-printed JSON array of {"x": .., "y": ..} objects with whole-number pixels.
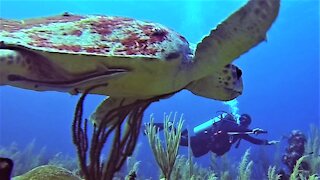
[{"x": 123, "y": 142}]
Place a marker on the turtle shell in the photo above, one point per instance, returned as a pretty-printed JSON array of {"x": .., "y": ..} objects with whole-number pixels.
[
  {"x": 95, "y": 35},
  {"x": 70, "y": 53}
]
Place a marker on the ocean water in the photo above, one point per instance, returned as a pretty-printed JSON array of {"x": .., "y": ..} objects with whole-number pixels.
[{"x": 280, "y": 76}]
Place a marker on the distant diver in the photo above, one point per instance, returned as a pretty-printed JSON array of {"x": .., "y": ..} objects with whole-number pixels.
[
  {"x": 219, "y": 134},
  {"x": 293, "y": 152},
  {"x": 6, "y": 166}
]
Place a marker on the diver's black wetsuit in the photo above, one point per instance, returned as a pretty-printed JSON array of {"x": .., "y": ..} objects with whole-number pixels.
[{"x": 216, "y": 138}]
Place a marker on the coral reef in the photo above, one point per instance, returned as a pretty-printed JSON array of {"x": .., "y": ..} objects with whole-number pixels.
[
  {"x": 302, "y": 167},
  {"x": 25, "y": 159},
  {"x": 48, "y": 172},
  {"x": 65, "y": 161},
  {"x": 64, "y": 167}
]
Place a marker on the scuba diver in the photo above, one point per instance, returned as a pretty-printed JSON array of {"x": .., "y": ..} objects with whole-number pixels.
[{"x": 219, "y": 134}]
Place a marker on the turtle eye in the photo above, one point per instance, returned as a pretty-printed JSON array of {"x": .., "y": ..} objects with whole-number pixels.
[{"x": 239, "y": 73}]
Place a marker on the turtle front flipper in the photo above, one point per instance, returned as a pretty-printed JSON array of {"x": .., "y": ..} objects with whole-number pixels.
[
  {"x": 236, "y": 35},
  {"x": 224, "y": 85},
  {"x": 113, "y": 109}
]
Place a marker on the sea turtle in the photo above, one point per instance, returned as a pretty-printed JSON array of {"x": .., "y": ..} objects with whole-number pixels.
[{"x": 136, "y": 59}]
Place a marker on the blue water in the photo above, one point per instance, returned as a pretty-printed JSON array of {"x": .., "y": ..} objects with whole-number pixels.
[{"x": 281, "y": 76}]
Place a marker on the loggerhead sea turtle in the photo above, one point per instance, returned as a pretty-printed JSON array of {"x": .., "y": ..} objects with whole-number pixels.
[{"x": 136, "y": 59}]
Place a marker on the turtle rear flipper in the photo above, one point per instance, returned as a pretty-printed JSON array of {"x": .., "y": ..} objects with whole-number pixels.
[
  {"x": 108, "y": 108},
  {"x": 236, "y": 35},
  {"x": 20, "y": 65}
]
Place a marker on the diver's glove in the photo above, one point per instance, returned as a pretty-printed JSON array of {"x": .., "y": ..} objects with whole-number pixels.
[
  {"x": 272, "y": 142},
  {"x": 258, "y": 131}
]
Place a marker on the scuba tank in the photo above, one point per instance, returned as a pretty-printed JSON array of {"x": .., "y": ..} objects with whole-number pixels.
[{"x": 204, "y": 127}]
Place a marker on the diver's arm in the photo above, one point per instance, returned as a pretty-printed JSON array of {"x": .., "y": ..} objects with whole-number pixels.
[{"x": 255, "y": 140}]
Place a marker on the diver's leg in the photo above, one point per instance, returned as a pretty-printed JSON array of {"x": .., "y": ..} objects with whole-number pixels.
[
  {"x": 159, "y": 126},
  {"x": 198, "y": 145},
  {"x": 184, "y": 138}
]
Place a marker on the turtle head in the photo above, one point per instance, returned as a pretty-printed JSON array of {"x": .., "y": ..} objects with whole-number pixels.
[{"x": 225, "y": 84}]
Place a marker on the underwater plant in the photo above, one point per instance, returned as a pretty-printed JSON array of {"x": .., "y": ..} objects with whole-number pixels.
[
  {"x": 225, "y": 175},
  {"x": 312, "y": 148},
  {"x": 264, "y": 158},
  {"x": 300, "y": 173},
  {"x": 166, "y": 154},
  {"x": 133, "y": 171},
  {"x": 222, "y": 166},
  {"x": 245, "y": 167},
  {"x": 272, "y": 174},
  {"x": 182, "y": 170},
  {"x": 296, "y": 171},
  {"x": 131, "y": 168}
]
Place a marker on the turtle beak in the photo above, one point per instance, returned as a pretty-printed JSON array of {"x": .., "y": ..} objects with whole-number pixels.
[
  {"x": 233, "y": 93},
  {"x": 235, "y": 90},
  {"x": 237, "y": 85}
]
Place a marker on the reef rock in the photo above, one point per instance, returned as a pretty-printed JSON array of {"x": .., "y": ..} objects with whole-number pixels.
[{"x": 48, "y": 172}]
